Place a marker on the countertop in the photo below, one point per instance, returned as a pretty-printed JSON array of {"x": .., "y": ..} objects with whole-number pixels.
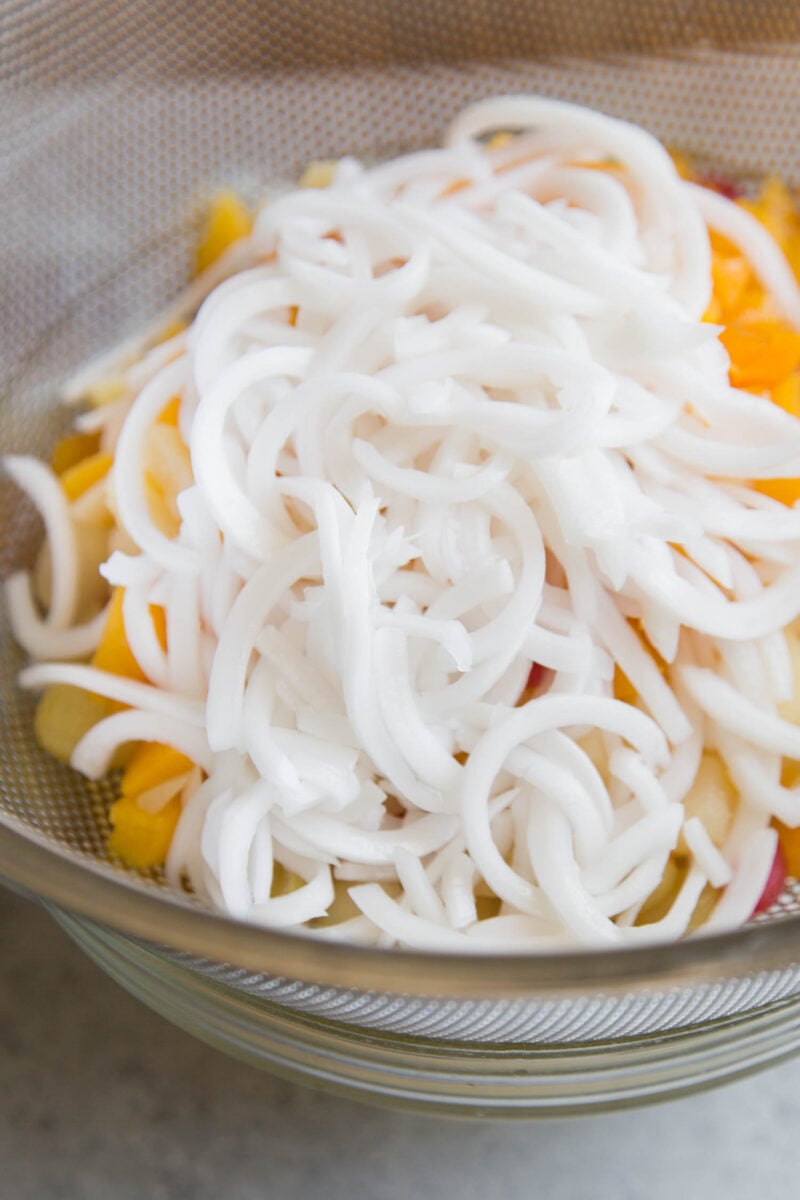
[{"x": 100, "y": 1099}]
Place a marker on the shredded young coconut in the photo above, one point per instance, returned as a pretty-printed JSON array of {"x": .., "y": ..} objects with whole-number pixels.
[{"x": 450, "y": 416}]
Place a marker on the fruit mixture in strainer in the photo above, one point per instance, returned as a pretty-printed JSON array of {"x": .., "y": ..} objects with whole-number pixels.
[{"x": 431, "y": 570}]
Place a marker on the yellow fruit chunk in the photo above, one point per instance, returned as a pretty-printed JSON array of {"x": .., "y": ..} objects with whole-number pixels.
[
  {"x": 659, "y": 902},
  {"x": 141, "y": 839},
  {"x": 318, "y": 174},
  {"x": 713, "y": 798},
  {"x": 72, "y": 449},
  {"x": 762, "y": 353},
  {"x": 228, "y": 220},
  {"x": 790, "y": 845},
  {"x": 113, "y": 652},
  {"x": 168, "y": 472},
  {"x": 78, "y": 479},
  {"x": 786, "y": 394},
  {"x": 169, "y": 414},
  {"x": 151, "y": 765},
  {"x": 789, "y": 710},
  {"x": 63, "y": 715},
  {"x": 786, "y": 491}
]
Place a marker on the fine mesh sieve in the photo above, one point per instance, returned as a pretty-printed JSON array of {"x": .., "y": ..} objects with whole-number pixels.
[{"x": 118, "y": 121}]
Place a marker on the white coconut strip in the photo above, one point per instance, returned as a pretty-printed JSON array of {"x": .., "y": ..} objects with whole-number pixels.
[
  {"x": 233, "y": 511},
  {"x": 128, "y": 472},
  {"x": 419, "y": 893},
  {"x": 564, "y": 790},
  {"x": 406, "y": 928},
  {"x": 457, "y": 887},
  {"x": 629, "y": 769},
  {"x": 419, "y": 836},
  {"x": 295, "y": 908},
  {"x": 44, "y": 490},
  {"x": 114, "y": 687},
  {"x": 641, "y": 670},
  {"x": 756, "y": 782},
  {"x": 558, "y": 874},
  {"x": 227, "y": 843},
  {"x": 142, "y": 637},
  {"x": 241, "y": 630},
  {"x": 155, "y": 798},
  {"x": 706, "y": 854},
  {"x": 676, "y": 921},
  {"x": 750, "y": 875},
  {"x": 641, "y": 153},
  {"x": 738, "y": 715},
  {"x": 655, "y": 833},
  {"x": 418, "y": 744},
  {"x": 95, "y": 750},
  {"x": 185, "y": 667},
  {"x": 756, "y": 243},
  {"x": 36, "y": 636}
]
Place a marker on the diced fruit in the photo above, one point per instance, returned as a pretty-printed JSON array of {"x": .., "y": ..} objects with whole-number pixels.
[
  {"x": 786, "y": 394},
  {"x": 775, "y": 882},
  {"x": 762, "y": 353},
  {"x": 713, "y": 798},
  {"x": 63, "y": 715},
  {"x": 789, "y": 710},
  {"x": 704, "y": 907},
  {"x": 790, "y": 845},
  {"x": 659, "y": 902},
  {"x": 78, "y": 479},
  {"x": 72, "y": 449},
  {"x": 141, "y": 839},
  {"x": 169, "y": 472},
  {"x": 151, "y": 765},
  {"x": 170, "y": 412},
  {"x": 285, "y": 881},
  {"x": 318, "y": 174},
  {"x": 786, "y": 491},
  {"x": 227, "y": 222},
  {"x": 342, "y": 907},
  {"x": 113, "y": 652}
]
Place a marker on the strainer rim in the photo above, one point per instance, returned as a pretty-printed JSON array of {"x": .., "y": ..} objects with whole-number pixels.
[{"x": 159, "y": 916}]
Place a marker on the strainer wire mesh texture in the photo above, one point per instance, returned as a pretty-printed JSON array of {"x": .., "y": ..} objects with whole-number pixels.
[{"x": 118, "y": 119}]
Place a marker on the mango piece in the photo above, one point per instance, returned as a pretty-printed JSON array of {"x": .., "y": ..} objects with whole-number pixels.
[
  {"x": 72, "y": 449},
  {"x": 78, "y": 479},
  {"x": 169, "y": 414},
  {"x": 763, "y": 352},
  {"x": 786, "y": 394},
  {"x": 227, "y": 222},
  {"x": 63, "y": 715},
  {"x": 151, "y": 765},
  {"x": 785, "y": 491},
  {"x": 113, "y": 652},
  {"x": 789, "y": 840},
  {"x": 141, "y": 839}
]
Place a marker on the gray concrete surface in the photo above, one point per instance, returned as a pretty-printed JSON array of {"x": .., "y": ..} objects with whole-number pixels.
[{"x": 100, "y": 1099}]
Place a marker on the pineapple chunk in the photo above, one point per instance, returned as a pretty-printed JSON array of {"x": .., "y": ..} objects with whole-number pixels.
[
  {"x": 227, "y": 222},
  {"x": 63, "y": 715},
  {"x": 712, "y": 797}
]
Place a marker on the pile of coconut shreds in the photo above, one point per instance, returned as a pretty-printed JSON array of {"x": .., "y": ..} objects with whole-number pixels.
[{"x": 449, "y": 417}]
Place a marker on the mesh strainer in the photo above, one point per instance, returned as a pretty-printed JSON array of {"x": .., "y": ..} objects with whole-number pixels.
[{"x": 118, "y": 119}]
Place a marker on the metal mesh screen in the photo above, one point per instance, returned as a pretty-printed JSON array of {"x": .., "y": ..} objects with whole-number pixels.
[{"x": 119, "y": 118}]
